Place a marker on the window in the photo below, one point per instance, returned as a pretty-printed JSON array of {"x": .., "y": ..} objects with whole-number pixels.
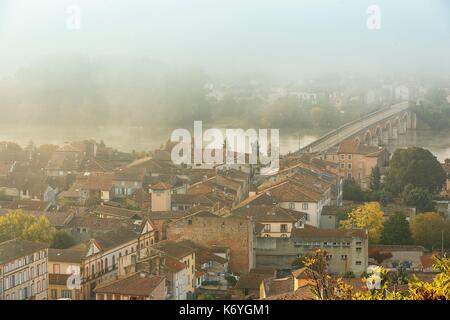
[
  {"x": 54, "y": 294},
  {"x": 267, "y": 227},
  {"x": 291, "y": 205},
  {"x": 342, "y": 165},
  {"x": 342, "y": 156},
  {"x": 349, "y": 166},
  {"x": 344, "y": 257},
  {"x": 358, "y": 263},
  {"x": 358, "y": 250},
  {"x": 358, "y": 243},
  {"x": 56, "y": 269},
  {"x": 349, "y": 175},
  {"x": 66, "y": 294},
  {"x": 284, "y": 228},
  {"x": 304, "y": 206},
  {"x": 329, "y": 257},
  {"x": 349, "y": 157}
]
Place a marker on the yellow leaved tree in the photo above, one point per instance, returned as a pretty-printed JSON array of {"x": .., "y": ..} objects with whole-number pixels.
[
  {"x": 16, "y": 224},
  {"x": 368, "y": 216}
]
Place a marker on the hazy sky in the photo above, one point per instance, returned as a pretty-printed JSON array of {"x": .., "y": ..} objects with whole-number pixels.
[{"x": 233, "y": 36}]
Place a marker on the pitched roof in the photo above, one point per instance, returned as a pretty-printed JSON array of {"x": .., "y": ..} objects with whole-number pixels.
[
  {"x": 115, "y": 238},
  {"x": 161, "y": 186},
  {"x": 116, "y": 211},
  {"x": 266, "y": 213},
  {"x": 174, "y": 265},
  {"x": 101, "y": 224},
  {"x": 93, "y": 181},
  {"x": 251, "y": 280},
  {"x": 65, "y": 255},
  {"x": 203, "y": 254},
  {"x": 352, "y": 146},
  {"x": 134, "y": 285},
  {"x": 289, "y": 191},
  {"x": 174, "y": 249},
  {"x": 17, "y": 248},
  {"x": 129, "y": 174},
  {"x": 278, "y": 286},
  {"x": 302, "y": 293}
]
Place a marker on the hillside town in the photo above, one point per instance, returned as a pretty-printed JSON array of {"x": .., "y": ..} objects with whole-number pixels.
[{"x": 83, "y": 221}]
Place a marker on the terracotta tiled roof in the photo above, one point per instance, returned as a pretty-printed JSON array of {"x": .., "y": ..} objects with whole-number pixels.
[
  {"x": 290, "y": 191},
  {"x": 174, "y": 265},
  {"x": 129, "y": 174},
  {"x": 300, "y": 273},
  {"x": 119, "y": 212},
  {"x": 302, "y": 293},
  {"x": 354, "y": 147},
  {"x": 135, "y": 285},
  {"x": 174, "y": 249},
  {"x": 265, "y": 213},
  {"x": 94, "y": 181},
  {"x": 16, "y": 248},
  {"x": 278, "y": 286},
  {"x": 65, "y": 255},
  {"x": 161, "y": 186},
  {"x": 251, "y": 280}
]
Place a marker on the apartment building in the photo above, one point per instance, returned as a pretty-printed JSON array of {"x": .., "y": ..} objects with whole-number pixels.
[{"x": 23, "y": 270}]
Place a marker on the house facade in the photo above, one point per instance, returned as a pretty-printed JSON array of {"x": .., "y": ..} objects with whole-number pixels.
[{"x": 23, "y": 270}]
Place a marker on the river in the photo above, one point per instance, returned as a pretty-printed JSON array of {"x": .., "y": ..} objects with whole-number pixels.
[{"x": 139, "y": 138}]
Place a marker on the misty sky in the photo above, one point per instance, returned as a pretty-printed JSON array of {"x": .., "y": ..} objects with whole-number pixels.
[{"x": 233, "y": 36}]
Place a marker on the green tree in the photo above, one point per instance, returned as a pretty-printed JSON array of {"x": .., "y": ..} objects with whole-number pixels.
[
  {"x": 418, "y": 197},
  {"x": 62, "y": 240},
  {"x": 396, "y": 230},
  {"x": 416, "y": 166},
  {"x": 16, "y": 224},
  {"x": 375, "y": 179},
  {"x": 353, "y": 192}
]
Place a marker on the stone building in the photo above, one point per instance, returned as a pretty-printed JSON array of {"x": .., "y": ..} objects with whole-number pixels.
[{"x": 234, "y": 232}]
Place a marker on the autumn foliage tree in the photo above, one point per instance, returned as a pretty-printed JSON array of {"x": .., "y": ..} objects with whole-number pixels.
[
  {"x": 368, "y": 216},
  {"x": 16, "y": 224},
  {"x": 427, "y": 229}
]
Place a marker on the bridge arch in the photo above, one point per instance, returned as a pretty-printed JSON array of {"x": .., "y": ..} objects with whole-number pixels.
[
  {"x": 404, "y": 123},
  {"x": 378, "y": 135},
  {"x": 388, "y": 130},
  {"x": 368, "y": 137},
  {"x": 396, "y": 128}
]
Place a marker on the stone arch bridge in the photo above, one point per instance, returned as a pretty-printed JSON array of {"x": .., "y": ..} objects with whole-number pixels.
[{"x": 376, "y": 128}]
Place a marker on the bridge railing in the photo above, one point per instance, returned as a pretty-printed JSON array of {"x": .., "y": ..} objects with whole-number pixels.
[{"x": 365, "y": 117}]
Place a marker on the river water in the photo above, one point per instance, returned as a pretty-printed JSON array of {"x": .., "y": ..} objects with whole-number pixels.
[{"x": 140, "y": 138}]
